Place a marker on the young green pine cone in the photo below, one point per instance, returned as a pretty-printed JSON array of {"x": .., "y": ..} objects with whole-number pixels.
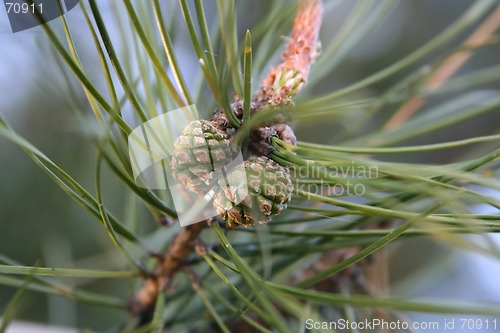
[
  {"x": 269, "y": 190},
  {"x": 200, "y": 150}
]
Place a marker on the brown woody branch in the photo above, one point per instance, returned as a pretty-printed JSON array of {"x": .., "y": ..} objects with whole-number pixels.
[{"x": 143, "y": 304}]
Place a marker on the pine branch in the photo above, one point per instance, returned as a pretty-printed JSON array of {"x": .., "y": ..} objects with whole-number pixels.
[{"x": 142, "y": 305}]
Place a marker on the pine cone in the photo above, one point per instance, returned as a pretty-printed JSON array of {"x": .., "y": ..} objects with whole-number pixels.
[
  {"x": 287, "y": 79},
  {"x": 269, "y": 190},
  {"x": 200, "y": 150}
]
